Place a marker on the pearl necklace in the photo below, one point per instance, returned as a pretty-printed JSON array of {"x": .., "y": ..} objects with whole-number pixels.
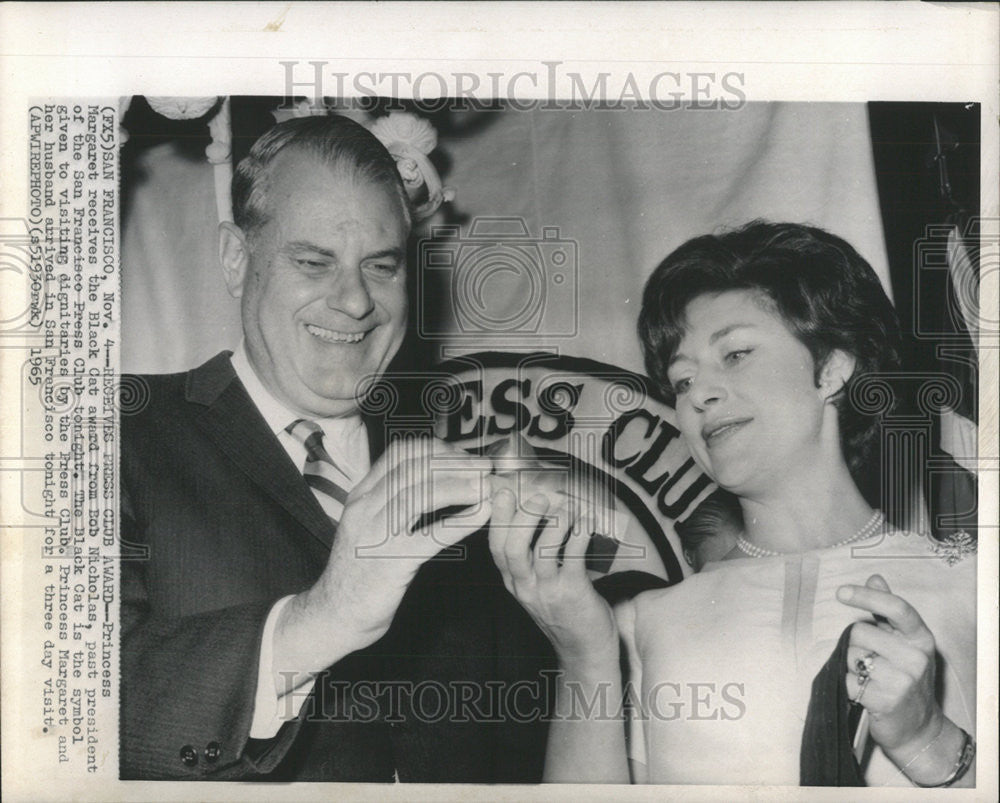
[{"x": 867, "y": 531}]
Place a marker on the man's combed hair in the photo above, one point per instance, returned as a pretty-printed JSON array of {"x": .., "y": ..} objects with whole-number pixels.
[
  {"x": 333, "y": 139},
  {"x": 717, "y": 513},
  {"x": 827, "y": 294}
]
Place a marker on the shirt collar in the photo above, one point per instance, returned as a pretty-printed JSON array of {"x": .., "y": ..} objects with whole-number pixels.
[{"x": 277, "y": 414}]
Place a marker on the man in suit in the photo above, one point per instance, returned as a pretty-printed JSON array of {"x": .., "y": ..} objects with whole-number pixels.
[{"x": 263, "y": 636}]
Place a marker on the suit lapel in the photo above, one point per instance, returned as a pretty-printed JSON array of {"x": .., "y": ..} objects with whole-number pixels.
[
  {"x": 375, "y": 428},
  {"x": 231, "y": 420}
]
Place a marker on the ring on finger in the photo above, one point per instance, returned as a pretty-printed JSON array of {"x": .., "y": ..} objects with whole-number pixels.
[
  {"x": 862, "y": 685},
  {"x": 863, "y": 666}
]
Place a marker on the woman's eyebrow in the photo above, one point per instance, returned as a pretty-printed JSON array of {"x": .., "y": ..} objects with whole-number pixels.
[
  {"x": 715, "y": 336},
  {"x": 678, "y": 357},
  {"x": 725, "y": 330}
]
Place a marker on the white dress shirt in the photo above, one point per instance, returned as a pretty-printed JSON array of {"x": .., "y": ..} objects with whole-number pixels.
[{"x": 346, "y": 441}]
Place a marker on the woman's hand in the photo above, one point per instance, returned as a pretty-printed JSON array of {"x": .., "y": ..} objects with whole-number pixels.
[
  {"x": 550, "y": 580},
  {"x": 897, "y": 654}
]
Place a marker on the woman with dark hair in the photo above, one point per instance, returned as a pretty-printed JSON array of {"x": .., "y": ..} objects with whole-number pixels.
[{"x": 760, "y": 336}]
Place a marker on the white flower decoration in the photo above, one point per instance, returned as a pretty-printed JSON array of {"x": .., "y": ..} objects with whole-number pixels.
[
  {"x": 409, "y": 171},
  {"x": 410, "y": 139},
  {"x": 405, "y": 130},
  {"x": 304, "y": 107},
  {"x": 181, "y": 108}
]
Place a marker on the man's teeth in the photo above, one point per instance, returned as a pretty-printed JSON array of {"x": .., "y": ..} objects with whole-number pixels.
[{"x": 334, "y": 337}]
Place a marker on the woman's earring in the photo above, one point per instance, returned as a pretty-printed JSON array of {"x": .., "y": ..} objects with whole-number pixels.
[{"x": 836, "y": 372}]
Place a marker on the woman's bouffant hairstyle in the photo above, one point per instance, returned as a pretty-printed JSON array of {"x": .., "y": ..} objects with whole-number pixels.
[
  {"x": 334, "y": 140},
  {"x": 827, "y": 294}
]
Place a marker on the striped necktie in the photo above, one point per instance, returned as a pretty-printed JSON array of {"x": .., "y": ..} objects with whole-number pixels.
[{"x": 322, "y": 474}]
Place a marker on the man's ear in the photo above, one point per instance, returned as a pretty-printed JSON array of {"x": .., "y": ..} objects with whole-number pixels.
[
  {"x": 689, "y": 556},
  {"x": 234, "y": 255},
  {"x": 837, "y": 369}
]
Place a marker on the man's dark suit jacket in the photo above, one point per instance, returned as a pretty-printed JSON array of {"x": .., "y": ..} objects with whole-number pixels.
[{"x": 230, "y": 527}]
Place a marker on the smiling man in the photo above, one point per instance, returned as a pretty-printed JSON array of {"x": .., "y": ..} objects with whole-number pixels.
[
  {"x": 321, "y": 277},
  {"x": 255, "y": 627}
]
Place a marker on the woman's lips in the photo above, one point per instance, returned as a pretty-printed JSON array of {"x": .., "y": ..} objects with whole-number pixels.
[{"x": 719, "y": 431}]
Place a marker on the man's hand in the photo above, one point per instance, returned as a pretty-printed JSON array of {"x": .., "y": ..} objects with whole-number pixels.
[{"x": 377, "y": 551}]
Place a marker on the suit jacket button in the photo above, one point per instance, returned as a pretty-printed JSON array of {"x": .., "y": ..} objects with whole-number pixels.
[
  {"x": 189, "y": 756},
  {"x": 212, "y": 752}
]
